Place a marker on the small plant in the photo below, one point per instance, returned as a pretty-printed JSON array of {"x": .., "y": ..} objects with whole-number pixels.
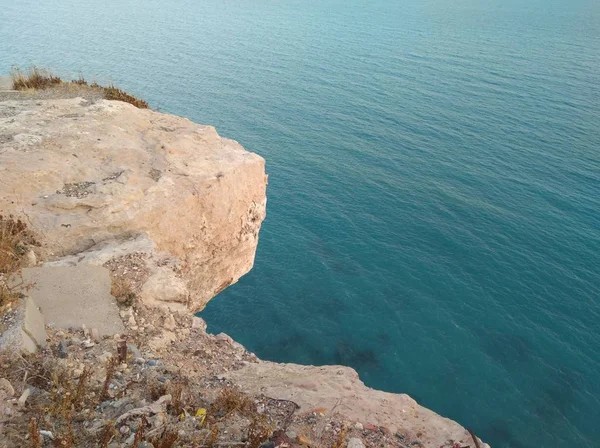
[
  {"x": 167, "y": 440},
  {"x": 139, "y": 435},
  {"x": 12, "y": 233},
  {"x": 107, "y": 435},
  {"x": 34, "y": 434},
  {"x": 81, "y": 387},
  {"x": 110, "y": 371},
  {"x": 231, "y": 400},
  {"x": 177, "y": 398}
]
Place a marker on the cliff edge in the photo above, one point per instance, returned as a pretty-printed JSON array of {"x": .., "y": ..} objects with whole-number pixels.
[
  {"x": 97, "y": 179},
  {"x": 135, "y": 219}
]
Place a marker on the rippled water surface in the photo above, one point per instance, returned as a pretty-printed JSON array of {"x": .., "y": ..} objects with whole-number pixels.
[{"x": 434, "y": 196}]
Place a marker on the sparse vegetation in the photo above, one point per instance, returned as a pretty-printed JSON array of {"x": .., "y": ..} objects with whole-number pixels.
[
  {"x": 122, "y": 290},
  {"x": 36, "y": 78},
  {"x": 113, "y": 93},
  {"x": 14, "y": 239}
]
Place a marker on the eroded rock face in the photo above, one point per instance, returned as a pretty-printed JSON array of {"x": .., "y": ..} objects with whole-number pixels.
[
  {"x": 339, "y": 388},
  {"x": 86, "y": 175}
]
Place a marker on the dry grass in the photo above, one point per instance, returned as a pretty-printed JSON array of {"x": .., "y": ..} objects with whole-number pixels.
[
  {"x": 113, "y": 93},
  {"x": 12, "y": 234},
  {"x": 231, "y": 401},
  {"x": 111, "y": 366},
  {"x": 39, "y": 79},
  {"x": 34, "y": 434},
  {"x": 122, "y": 290},
  {"x": 14, "y": 239},
  {"x": 34, "y": 78}
]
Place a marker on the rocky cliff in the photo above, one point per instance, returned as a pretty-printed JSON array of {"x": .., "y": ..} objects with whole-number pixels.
[
  {"x": 102, "y": 178},
  {"x": 169, "y": 212}
]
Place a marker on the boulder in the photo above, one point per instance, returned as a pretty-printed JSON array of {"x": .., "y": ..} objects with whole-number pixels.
[{"x": 96, "y": 175}]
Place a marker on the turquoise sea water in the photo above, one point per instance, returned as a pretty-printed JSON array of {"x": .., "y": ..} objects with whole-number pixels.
[{"x": 434, "y": 196}]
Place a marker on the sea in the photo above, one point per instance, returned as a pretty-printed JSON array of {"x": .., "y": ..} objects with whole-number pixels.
[{"x": 434, "y": 183}]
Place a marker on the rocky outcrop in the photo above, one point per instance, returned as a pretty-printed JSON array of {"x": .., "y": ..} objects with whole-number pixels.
[
  {"x": 103, "y": 177},
  {"x": 175, "y": 210},
  {"x": 339, "y": 388}
]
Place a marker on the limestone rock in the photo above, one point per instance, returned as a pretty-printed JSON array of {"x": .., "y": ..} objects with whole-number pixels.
[
  {"x": 164, "y": 286},
  {"x": 88, "y": 173},
  {"x": 355, "y": 442},
  {"x": 7, "y": 387},
  {"x": 198, "y": 323},
  {"x": 325, "y": 387},
  {"x": 27, "y": 331},
  {"x": 73, "y": 296}
]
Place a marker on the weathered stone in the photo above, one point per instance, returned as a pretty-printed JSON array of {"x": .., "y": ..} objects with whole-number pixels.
[
  {"x": 325, "y": 387},
  {"x": 224, "y": 337},
  {"x": 63, "y": 350},
  {"x": 83, "y": 291},
  {"x": 30, "y": 258},
  {"x": 105, "y": 251},
  {"x": 198, "y": 323},
  {"x": 7, "y": 387},
  {"x": 165, "y": 286},
  {"x": 27, "y": 332},
  {"x": 95, "y": 335},
  {"x": 24, "y": 396},
  {"x": 118, "y": 172},
  {"x": 170, "y": 323},
  {"x": 355, "y": 442}
]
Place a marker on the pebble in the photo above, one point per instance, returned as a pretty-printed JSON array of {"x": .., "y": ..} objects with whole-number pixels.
[
  {"x": 63, "y": 352},
  {"x": 104, "y": 357},
  {"x": 170, "y": 323},
  {"x": 291, "y": 434},
  {"x": 139, "y": 361},
  {"x": 5, "y": 384},
  {"x": 31, "y": 258},
  {"x": 355, "y": 442},
  {"x": 359, "y": 426},
  {"x": 267, "y": 444},
  {"x": 86, "y": 332},
  {"x": 152, "y": 363},
  {"x": 135, "y": 352},
  {"x": 124, "y": 430},
  {"x": 95, "y": 335},
  {"x": 24, "y": 396},
  {"x": 47, "y": 434}
]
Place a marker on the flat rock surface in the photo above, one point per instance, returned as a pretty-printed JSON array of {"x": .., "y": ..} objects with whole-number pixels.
[{"x": 70, "y": 297}]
